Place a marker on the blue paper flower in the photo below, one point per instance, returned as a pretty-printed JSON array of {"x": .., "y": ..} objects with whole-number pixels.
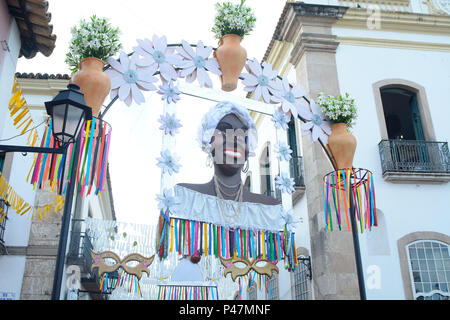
[
  {"x": 280, "y": 120},
  {"x": 168, "y": 162},
  {"x": 169, "y": 92},
  {"x": 289, "y": 221},
  {"x": 284, "y": 151},
  {"x": 166, "y": 200},
  {"x": 284, "y": 183},
  {"x": 169, "y": 124}
]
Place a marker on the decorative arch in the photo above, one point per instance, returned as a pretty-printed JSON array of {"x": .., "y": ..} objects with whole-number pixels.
[
  {"x": 422, "y": 100},
  {"x": 402, "y": 244}
]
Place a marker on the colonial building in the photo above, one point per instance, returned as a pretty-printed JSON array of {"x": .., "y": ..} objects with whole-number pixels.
[
  {"x": 393, "y": 57},
  {"x": 28, "y": 247}
]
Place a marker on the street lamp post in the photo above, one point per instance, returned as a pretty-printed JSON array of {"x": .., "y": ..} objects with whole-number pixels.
[{"x": 68, "y": 111}]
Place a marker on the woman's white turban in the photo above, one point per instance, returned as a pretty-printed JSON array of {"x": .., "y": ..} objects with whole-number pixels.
[{"x": 213, "y": 117}]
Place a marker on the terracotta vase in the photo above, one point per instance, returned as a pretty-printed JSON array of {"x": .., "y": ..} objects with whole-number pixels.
[
  {"x": 93, "y": 83},
  {"x": 342, "y": 145},
  {"x": 231, "y": 57}
]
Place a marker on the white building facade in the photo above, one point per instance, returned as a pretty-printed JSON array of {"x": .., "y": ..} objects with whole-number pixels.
[{"x": 394, "y": 60}]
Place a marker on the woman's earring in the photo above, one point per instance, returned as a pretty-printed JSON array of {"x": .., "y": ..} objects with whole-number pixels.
[
  {"x": 209, "y": 160},
  {"x": 245, "y": 167}
]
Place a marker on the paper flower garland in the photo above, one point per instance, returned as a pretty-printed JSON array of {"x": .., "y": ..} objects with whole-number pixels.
[
  {"x": 168, "y": 162},
  {"x": 317, "y": 126},
  {"x": 196, "y": 64},
  {"x": 290, "y": 222},
  {"x": 284, "y": 183},
  {"x": 289, "y": 98},
  {"x": 261, "y": 80},
  {"x": 280, "y": 120},
  {"x": 284, "y": 151},
  {"x": 127, "y": 79},
  {"x": 166, "y": 200},
  {"x": 169, "y": 92},
  {"x": 169, "y": 124},
  {"x": 156, "y": 54}
]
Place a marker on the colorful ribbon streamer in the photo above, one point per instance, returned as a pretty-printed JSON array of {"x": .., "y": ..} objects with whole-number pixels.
[
  {"x": 92, "y": 160},
  {"x": 185, "y": 292},
  {"x": 192, "y": 237},
  {"x": 344, "y": 186}
]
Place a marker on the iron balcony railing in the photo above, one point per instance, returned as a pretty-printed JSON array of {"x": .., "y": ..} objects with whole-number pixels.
[
  {"x": 414, "y": 156},
  {"x": 297, "y": 171}
]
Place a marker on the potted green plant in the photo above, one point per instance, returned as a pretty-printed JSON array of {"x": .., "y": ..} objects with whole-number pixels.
[
  {"x": 92, "y": 43},
  {"x": 341, "y": 111},
  {"x": 231, "y": 24}
]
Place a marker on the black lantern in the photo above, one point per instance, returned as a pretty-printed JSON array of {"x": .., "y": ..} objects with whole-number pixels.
[{"x": 68, "y": 111}]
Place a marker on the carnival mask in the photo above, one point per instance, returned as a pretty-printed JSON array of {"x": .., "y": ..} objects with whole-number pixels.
[
  {"x": 240, "y": 267},
  {"x": 104, "y": 267}
]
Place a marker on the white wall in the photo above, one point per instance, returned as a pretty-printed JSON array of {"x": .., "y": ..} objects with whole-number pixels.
[{"x": 407, "y": 208}]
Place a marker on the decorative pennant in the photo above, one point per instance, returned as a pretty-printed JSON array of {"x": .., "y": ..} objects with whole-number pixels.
[
  {"x": 338, "y": 189},
  {"x": 20, "y": 113}
]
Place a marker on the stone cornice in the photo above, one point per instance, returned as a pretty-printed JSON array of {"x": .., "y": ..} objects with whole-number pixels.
[
  {"x": 308, "y": 27},
  {"x": 317, "y": 10},
  {"x": 398, "y": 21}
]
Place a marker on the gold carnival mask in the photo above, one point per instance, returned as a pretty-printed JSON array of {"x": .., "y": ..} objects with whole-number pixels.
[
  {"x": 240, "y": 267},
  {"x": 103, "y": 267}
]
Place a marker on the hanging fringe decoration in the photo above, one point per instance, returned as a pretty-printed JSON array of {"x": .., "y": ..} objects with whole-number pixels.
[
  {"x": 20, "y": 113},
  {"x": 187, "y": 237},
  {"x": 113, "y": 280},
  {"x": 344, "y": 186},
  {"x": 19, "y": 205},
  {"x": 92, "y": 160},
  {"x": 186, "y": 292}
]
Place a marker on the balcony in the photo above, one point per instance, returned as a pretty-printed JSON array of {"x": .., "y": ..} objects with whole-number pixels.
[{"x": 415, "y": 161}]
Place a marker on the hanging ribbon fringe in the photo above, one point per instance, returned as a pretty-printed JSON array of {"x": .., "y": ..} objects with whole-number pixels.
[
  {"x": 344, "y": 186},
  {"x": 177, "y": 292},
  {"x": 92, "y": 160},
  {"x": 111, "y": 281},
  {"x": 188, "y": 237}
]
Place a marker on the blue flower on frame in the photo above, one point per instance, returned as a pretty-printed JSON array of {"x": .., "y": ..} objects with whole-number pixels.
[
  {"x": 284, "y": 183},
  {"x": 169, "y": 124},
  {"x": 284, "y": 151},
  {"x": 280, "y": 120},
  {"x": 168, "y": 162},
  {"x": 166, "y": 200}
]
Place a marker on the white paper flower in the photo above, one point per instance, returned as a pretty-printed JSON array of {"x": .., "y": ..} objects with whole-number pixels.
[
  {"x": 156, "y": 54},
  {"x": 196, "y": 64},
  {"x": 284, "y": 183},
  {"x": 261, "y": 80},
  {"x": 169, "y": 92},
  {"x": 289, "y": 221},
  {"x": 284, "y": 151},
  {"x": 166, "y": 200},
  {"x": 289, "y": 98},
  {"x": 127, "y": 79},
  {"x": 316, "y": 126},
  {"x": 280, "y": 120},
  {"x": 169, "y": 124},
  {"x": 168, "y": 162}
]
